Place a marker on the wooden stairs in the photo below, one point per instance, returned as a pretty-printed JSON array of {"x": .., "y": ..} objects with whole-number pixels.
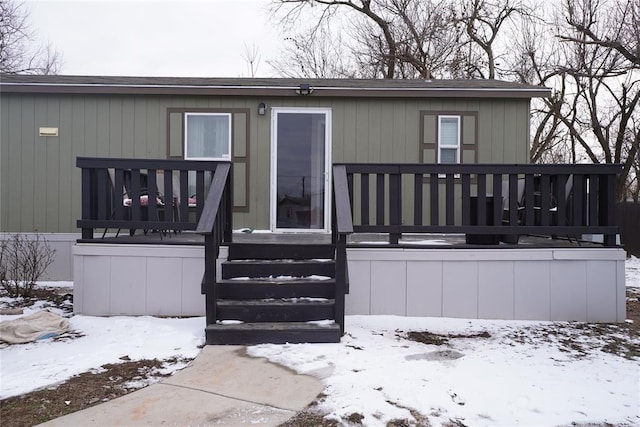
[{"x": 275, "y": 293}]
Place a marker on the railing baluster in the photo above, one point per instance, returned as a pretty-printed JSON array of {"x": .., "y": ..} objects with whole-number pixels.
[
  {"x": 513, "y": 199},
  {"x": 86, "y": 205},
  {"x": 380, "y": 199},
  {"x": 395, "y": 207},
  {"x": 608, "y": 206},
  {"x": 449, "y": 199},
  {"x": 481, "y": 214},
  {"x": 545, "y": 201},
  {"x": 434, "y": 199},
  {"x": 118, "y": 194},
  {"x": 561, "y": 200},
  {"x": 593, "y": 200},
  {"x": 199, "y": 194},
  {"x": 170, "y": 202},
  {"x": 466, "y": 199},
  {"x": 152, "y": 206},
  {"x": 184, "y": 196},
  {"x": 577, "y": 206},
  {"x": 364, "y": 199},
  {"x": 102, "y": 190},
  {"x": 497, "y": 200},
  {"x": 135, "y": 194},
  {"x": 417, "y": 198},
  {"x": 530, "y": 196}
]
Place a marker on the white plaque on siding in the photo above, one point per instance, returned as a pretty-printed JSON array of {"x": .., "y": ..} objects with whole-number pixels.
[{"x": 48, "y": 132}]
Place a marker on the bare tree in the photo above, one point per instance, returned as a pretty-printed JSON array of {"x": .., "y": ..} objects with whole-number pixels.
[
  {"x": 387, "y": 38},
  {"x": 593, "y": 115},
  {"x": 23, "y": 260},
  {"x": 315, "y": 53},
  {"x": 607, "y": 80},
  {"x": 483, "y": 21},
  {"x": 251, "y": 56},
  {"x": 624, "y": 36},
  {"x": 587, "y": 50},
  {"x": 17, "y": 52}
]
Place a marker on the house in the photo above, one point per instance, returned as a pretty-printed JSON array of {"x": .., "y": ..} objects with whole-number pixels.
[{"x": 284, "y": 139}]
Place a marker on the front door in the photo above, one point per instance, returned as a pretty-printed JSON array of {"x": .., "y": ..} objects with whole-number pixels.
[{"x": 300, "y": 159}]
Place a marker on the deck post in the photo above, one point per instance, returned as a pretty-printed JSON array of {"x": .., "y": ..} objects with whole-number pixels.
[
  {"x": 209, "y": 281},
  {"x": 228, "y": 208},
  {"x": 341, "y": 280}
]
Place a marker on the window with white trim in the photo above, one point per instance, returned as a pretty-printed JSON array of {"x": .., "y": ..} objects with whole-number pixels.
[
  {"x": 449, "y": 139},
  {"x": 207, "y": 136}
]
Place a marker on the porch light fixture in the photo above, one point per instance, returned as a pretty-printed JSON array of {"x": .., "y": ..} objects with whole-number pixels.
[
  {"x": 262, "y": 109},
  {"x": 304, "y": 89}
]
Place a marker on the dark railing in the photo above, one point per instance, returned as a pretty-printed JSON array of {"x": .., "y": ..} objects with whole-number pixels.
[
  {"x": 487, "y": 199},
  {"x": 143, "y": 194},
  {"x": 342, "y": 226},
  {"x": 628, "y": 216},
  {"x": 216, "y": 225}
]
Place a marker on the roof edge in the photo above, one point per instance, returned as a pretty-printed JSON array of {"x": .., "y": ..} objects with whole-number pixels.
[{"x": 271, "y": 90}]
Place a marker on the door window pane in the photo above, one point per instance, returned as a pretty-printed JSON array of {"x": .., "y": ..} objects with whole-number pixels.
[
  {"x": 208, "y": 136},
  {"x": 300, "y": 178}
]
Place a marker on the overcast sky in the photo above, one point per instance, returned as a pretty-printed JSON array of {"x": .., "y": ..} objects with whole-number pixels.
[{"x": 156, "y": 37}]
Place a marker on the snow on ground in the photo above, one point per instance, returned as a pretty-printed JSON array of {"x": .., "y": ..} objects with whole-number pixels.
[
  {"x": 507, "y": 373},
  {"x": 27, "y": 367},
  {"x": 507, "y": 379},
  {"x": 632, "y": 272}
]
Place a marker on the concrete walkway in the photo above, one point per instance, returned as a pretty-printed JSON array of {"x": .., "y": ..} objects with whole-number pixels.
[{"x": 221, "y": 387}]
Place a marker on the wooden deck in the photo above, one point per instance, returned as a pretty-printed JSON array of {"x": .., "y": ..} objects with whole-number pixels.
[{"x": 443, "y": 241}]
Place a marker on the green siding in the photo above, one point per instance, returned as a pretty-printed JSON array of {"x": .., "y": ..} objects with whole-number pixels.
[
  {"x": 175, "y": 135},
  {"x": 469, "y": 130},
  {"x": 40, "y": 185},
  {"x": 4, "y": 164}
]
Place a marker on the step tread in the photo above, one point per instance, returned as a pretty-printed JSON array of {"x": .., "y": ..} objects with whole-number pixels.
[
  {"x": 272, "y": 332},
  {"x": 280, "y": 250},
  {"x": 278, "y": 280},
  {"x": 277, "y": 302},
  {"x": 280, "y": 261},
  {"x": 275, "y": 288},
  {"x": 278, "y": 268},
  {"x": 274, "y": 326}
]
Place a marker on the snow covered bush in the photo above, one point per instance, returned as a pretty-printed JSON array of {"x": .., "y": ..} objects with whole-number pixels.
[{"x": 22, "y": 261}]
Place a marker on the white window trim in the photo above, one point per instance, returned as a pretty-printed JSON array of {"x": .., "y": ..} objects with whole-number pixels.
[
  {"x": 457, "y": 147},
  {"x": 186, "y": 137}
]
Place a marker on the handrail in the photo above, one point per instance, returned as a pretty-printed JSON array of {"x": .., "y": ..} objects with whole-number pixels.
[
  {"x": 216, "y": 226},
  {"x": 342, "y": 226},
  {"x": 214, "y": 198},
  {"x": 343, "y": 221},
  {"x": 480, "y": 199}
]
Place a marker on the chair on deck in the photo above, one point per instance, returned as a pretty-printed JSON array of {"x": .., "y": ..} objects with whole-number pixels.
[
  {"x": 175, "y": 194},
  {"x": 127, "y": 201},
  {"x": 568, "y": 188}
]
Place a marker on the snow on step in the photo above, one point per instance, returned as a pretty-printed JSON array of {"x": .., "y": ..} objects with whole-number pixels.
[{"x": 283, "y": 278}]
